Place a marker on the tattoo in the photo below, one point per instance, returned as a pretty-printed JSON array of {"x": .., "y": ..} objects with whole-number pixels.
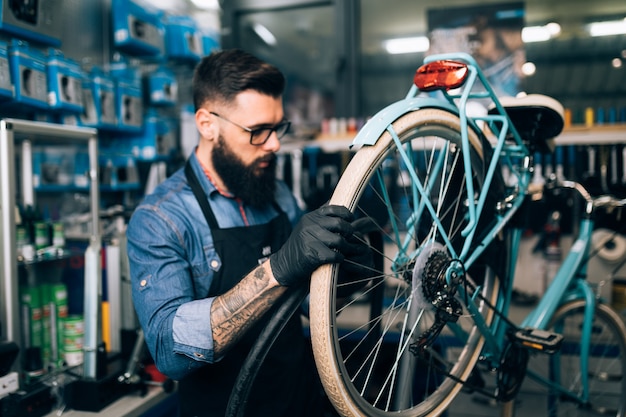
[{"x": 234, "y": 312}]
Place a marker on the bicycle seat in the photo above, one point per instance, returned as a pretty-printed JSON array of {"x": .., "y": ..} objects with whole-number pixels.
[{"x": 537, "y": 118}]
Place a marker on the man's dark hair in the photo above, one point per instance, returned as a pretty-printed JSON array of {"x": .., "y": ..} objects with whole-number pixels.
[{"x": 224, "y": 74}]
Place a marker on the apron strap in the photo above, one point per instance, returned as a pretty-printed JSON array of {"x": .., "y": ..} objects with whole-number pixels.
[{"x": 200, "y": 195}]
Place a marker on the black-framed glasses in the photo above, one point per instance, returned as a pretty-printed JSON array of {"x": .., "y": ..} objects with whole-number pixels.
[{"x": 260, "y": 135}]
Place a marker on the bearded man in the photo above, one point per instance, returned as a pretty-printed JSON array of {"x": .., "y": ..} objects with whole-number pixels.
[{"x": 217, "y": 244}]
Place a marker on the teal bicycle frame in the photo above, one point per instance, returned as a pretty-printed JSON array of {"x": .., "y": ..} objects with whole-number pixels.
[{"x": 508, "y": 150}]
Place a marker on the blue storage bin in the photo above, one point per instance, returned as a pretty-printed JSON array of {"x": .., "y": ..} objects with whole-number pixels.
[
  {"x": 162, "y": 87},
  {"x": 128, "y": 98},
  {"x": 65, "y": 81},
  {"x": 183, "y": 41},
  {"x": 158, "y": 138},
  {"x": 99, "y": 100},
  {"x": 40, "y": 21},
  {"x": 28, "y": 75},
  {"x": 138, "y": 29}
]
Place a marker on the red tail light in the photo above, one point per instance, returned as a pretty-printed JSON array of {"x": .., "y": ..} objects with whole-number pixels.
[{"x": 440, "y": 75}]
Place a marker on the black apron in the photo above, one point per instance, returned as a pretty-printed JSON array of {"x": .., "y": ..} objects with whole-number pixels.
[{"x": 278, "y": 386}]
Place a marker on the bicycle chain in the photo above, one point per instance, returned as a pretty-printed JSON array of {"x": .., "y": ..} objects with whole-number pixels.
[{"x": 511, "y": 371}]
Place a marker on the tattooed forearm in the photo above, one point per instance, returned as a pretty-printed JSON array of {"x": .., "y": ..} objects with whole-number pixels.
[{"x": 235, "y": 311}]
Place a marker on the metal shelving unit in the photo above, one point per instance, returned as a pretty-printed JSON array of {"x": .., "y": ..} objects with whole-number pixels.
[{"x": 24, "y": 134}]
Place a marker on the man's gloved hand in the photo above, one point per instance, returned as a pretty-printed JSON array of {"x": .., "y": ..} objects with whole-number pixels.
[
  {"x": 358, "y": 264},
  {"x": 319, "y": 238}
]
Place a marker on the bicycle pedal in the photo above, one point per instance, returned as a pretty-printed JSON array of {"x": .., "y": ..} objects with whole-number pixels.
[{"x": 539, "y": 340}]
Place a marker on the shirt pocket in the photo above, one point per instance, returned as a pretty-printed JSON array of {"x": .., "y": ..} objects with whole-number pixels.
[{"x": 204, "y": 270}]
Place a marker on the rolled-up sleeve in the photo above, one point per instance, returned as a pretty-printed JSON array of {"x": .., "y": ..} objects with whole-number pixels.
[{"x": 191, "y": 337}]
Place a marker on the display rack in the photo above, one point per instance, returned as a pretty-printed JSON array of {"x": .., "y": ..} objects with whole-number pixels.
[
  {"x": 593, "y": 135},
  {"x": 25, "y": 134},
  {"x": 572, "y": 135}
]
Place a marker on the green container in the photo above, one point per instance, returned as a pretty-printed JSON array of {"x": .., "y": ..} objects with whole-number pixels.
[{"x": 73, "y": 337}]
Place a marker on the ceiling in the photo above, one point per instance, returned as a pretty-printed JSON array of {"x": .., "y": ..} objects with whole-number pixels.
[{"x": 572, "y": 67}]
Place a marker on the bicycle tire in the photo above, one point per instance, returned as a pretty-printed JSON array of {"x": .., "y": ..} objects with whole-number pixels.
[
  {"x": 343, "y": 361},
  {"x": 607, "y": 366},
  {"x": 289, "y": 304}
]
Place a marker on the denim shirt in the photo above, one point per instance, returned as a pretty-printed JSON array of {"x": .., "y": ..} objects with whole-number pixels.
[{"x": 173, "y": 262}]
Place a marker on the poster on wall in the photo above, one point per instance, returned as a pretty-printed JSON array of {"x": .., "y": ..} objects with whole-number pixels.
[{"x": 492, "y": 34}]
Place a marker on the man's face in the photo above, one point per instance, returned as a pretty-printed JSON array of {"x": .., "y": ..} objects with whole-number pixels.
[
  {"x": 253, "y": 183},
  {"x": 248, "y": 171}
]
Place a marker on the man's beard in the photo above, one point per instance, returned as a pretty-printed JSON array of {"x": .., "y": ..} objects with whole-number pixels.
[{"x": 253, "y": 185}]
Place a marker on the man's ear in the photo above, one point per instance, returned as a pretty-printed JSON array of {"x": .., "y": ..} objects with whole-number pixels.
[{"x": 205, "y": 122}]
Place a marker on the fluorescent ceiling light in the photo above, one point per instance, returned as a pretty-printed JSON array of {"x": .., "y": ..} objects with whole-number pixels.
[
  {"x": 608, "y": 28},
  {"x": 264, "y": 33},
  {"x": 540, "y": 33},
  {"x": 206, "y": 4},
  {"x": 407, "y": 45}
]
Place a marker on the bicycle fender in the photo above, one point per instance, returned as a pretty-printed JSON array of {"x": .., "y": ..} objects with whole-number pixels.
[{"x": 375, "y": 126}]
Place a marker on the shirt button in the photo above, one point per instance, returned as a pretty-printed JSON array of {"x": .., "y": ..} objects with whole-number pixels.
[
  {"x": 214, "y": 263},
  {"x": 143, "y": 282}
]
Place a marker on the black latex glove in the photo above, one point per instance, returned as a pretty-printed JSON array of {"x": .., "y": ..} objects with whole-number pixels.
[
  {"x": 358, "y": 265},
  {"x": 319, "y": 238}
]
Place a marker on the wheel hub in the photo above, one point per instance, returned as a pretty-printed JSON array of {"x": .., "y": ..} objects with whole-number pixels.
[{"x": 430, "y": 285}]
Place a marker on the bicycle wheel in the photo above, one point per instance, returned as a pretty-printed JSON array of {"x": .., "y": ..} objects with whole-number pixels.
[
  {"x": 396, "y": 359},
  {"x": 606, "y": 366}
]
